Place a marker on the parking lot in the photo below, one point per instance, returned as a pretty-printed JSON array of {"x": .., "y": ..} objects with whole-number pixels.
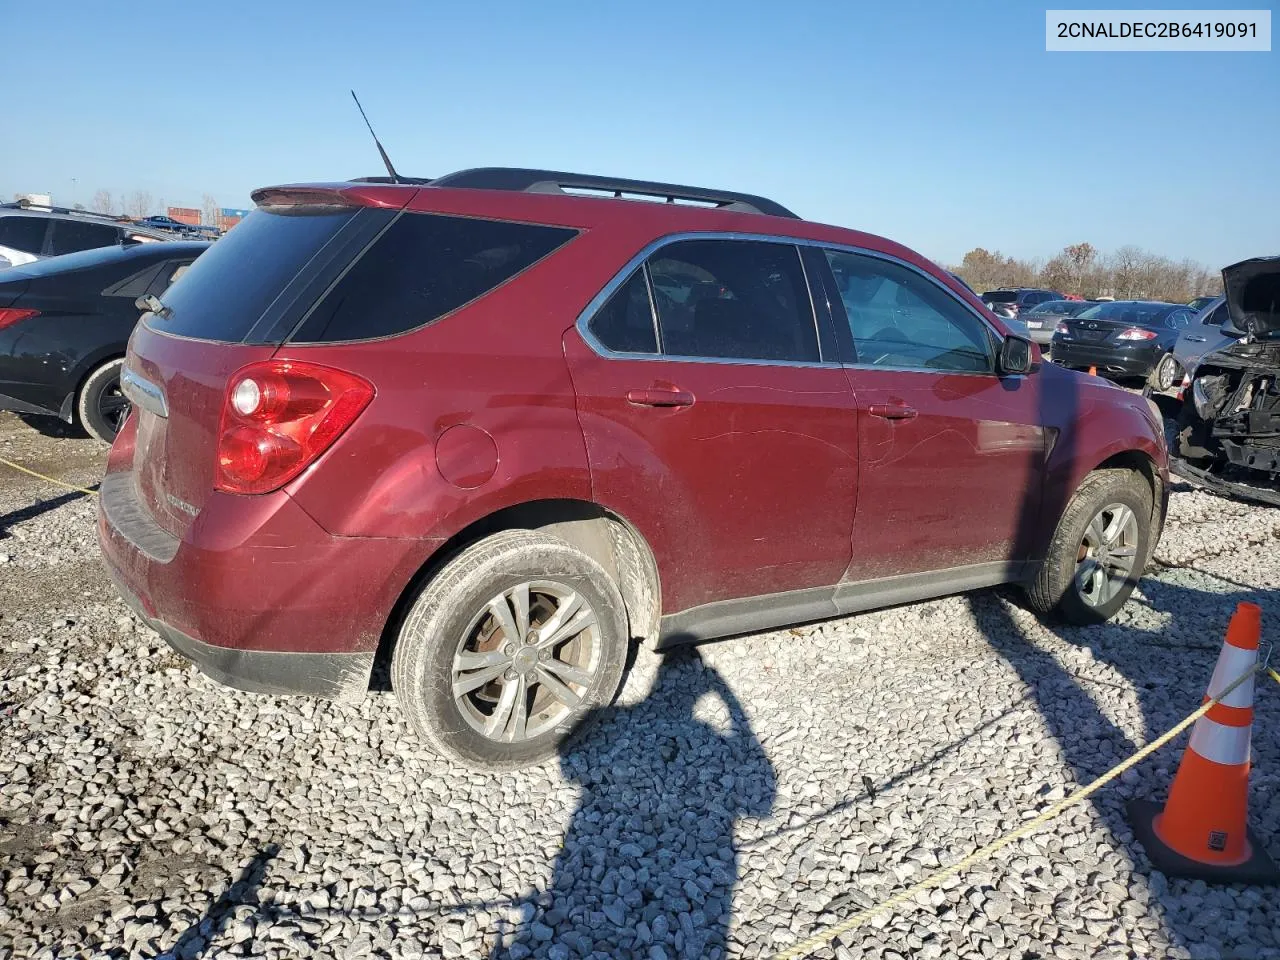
[{"x": 146, "y": 810}]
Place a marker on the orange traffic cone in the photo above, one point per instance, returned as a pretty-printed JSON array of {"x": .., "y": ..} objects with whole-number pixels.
[{"x": 1202, "y": 832}]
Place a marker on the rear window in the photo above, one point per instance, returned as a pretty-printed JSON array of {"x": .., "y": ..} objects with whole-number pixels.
[
  {"x": 230, "y": 286},
  {"x": 1140, "y": 314},
  {"x": 422, "y": 268},
  {"x": 1001, "y": 296}
]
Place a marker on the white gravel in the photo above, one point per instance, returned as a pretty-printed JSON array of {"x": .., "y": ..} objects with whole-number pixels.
[{"x": 146, "y": 811}]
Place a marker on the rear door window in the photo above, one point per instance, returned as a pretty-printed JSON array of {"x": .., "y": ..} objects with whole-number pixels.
[
  {"x": 72, "y": 236},
  {"x": 733, "y": 300},
  {"x": 424, "y": 267},
  {"x": 24, "y": 233}
]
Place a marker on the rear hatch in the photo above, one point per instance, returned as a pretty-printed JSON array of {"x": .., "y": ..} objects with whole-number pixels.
[{"x": 235, "y": 305}]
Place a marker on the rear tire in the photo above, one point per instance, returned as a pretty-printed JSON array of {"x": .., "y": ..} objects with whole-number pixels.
[
  {"x": 1089, "y": 573},
  {"x": 101, "y": 407},
  {"x": 478, "y": 668}
]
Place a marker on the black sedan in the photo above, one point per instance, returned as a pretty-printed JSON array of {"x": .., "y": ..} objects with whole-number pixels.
[
  {"x": 64, "y": 325},
  {"x": 1122, "y": 338}
]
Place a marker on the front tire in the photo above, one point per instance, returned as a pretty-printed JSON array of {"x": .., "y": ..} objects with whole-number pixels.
[
  {"x": 1099, "y": 550},
  {"x": 1167, "y": 372},
  {"x": 508, "y": 649},
  {"x": 102, "y": 407}
]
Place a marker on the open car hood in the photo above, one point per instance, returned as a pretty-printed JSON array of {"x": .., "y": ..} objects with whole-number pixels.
[{"x": 1253, "y": 296}]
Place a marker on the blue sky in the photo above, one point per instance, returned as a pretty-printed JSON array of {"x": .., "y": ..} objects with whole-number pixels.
[{"x": 945, "y": 126}]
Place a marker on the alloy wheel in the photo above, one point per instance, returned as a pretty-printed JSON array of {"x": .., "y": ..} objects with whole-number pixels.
[
  {"x": 1107, "y": 555},
  {"x": 526, "y": 660},
  {"x": 114, "y": 406}
]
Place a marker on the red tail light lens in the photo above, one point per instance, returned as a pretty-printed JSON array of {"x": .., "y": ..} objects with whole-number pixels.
[
  {"x": 1136, "y": 333},
  {"x": 278, "y": 417},
  {"x": 1063, "y": 329},
  {"x": 11, "y": 315}
]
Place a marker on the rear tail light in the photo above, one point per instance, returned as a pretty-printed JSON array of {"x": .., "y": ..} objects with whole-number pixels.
[
  {"x": 278, "y": 417},
  {"x": 1063, "y": 329},
  {"x": 1136, "y": 333},
  {"x": 11, "y": 315}
]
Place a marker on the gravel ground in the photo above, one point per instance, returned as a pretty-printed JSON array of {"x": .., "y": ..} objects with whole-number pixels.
[{"x": 733, "y": 800}]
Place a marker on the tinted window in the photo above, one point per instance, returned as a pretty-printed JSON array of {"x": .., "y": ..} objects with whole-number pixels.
[
  {"x": 422, "y": 268},
  {"x": 625, "y": 322},
  {"x": 1000, "y": 296},
  {"x": 1121, "y": 311},
  {"x": 226, "y": 291},
  {"x": 136, "y": 285},
  {"x": 733, "y": 299},
  {"x": 1217, "y": 316},
  {"x": 72, "y": 236},
  {"x": 1054, "y": 308},
  {"x": 1178, "y": 319},
  {"x": 23, "y": 233},
  {"x": 899, "y": 318}
]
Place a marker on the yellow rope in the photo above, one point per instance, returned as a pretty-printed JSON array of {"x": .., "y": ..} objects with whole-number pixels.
[
  {"x": 53, "y": 480},
  {"x": 805, "y": 947}
]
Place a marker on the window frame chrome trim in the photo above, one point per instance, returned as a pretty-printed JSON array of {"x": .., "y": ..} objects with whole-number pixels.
[{"x": 583, "y": 322}]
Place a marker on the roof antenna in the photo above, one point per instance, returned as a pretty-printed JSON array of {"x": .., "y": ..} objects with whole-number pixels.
[{"x": 395, "y": 177}]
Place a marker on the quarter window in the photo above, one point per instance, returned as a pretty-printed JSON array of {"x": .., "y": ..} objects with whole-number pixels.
[
  {"x": 898, "y": 318},
  {"x": 423, "y": 267},
  {"x": 735, "y": 300}
]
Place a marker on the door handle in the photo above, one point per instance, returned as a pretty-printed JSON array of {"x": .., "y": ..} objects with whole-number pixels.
[
  {"x": 892, "y": 411},
  {"x": 1196, "y": 339},
  {"x": 660, "y": 397}
]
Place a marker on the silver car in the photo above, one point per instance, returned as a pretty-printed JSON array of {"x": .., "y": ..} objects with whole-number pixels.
[{"x": 1201, "y": 336}]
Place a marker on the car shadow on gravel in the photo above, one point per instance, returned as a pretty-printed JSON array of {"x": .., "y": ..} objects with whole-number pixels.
[{"x": 649, "y": 862}]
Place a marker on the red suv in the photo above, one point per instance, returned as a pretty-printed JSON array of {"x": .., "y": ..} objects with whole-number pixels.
[{"x": 498, "y": 425}]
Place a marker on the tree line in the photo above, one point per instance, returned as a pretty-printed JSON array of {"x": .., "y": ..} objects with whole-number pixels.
[
  {"x": 138, "y": 204},
  {"x": 1129, "y": 273}
]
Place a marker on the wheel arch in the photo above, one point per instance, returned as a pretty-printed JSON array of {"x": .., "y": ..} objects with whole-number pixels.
[
  {"x": 86, "y": 367},
  {"x": 609, "y": 539}
]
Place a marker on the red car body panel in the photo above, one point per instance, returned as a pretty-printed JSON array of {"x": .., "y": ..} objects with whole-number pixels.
[
  {"x": 778, "y": 478},
  {"x": 748, "y": 491}
]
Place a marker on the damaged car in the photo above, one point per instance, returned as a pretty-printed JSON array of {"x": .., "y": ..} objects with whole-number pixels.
[{"x": 1229, "y": 425}]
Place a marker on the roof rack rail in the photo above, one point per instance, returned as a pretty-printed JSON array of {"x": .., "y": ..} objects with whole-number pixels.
[
  {"x": 53, "y": 208},
  {"x": 554, "y": 181}
]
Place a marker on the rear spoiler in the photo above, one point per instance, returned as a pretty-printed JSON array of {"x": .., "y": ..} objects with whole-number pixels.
[{"x": 354, "y": 194}]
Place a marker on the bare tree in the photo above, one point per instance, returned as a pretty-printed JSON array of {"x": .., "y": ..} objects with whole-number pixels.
[
  {"x": 209, "y": 210},
  {"x": 102, "y": 202},
  {"x": 138, "y": 204}
]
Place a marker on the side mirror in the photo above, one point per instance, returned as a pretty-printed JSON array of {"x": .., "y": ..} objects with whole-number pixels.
[{"x": 1016, "y": 355}]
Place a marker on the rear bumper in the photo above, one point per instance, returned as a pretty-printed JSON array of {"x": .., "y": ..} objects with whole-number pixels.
[
  {"x": 1130, "y": 361},
  {"x": 334, "y": 676},
  {"x": 255, "y": 593}
]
